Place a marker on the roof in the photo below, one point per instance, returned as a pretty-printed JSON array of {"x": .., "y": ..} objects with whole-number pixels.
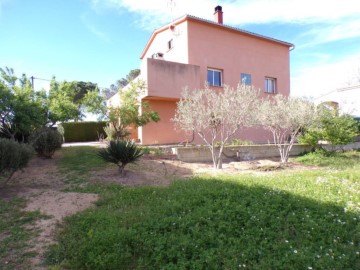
[{"x": 213, "y": 24}]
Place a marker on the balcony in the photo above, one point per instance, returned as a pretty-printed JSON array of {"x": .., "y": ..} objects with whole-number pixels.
[{"x": 166, "y": 79}]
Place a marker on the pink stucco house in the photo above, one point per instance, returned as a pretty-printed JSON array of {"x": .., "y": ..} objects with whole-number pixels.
[{"x": 190, "y": 51}]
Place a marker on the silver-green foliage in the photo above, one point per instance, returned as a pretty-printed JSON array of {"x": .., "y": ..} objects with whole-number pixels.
[
  {"x": 13, "y": 156},
  {"x": 46, "y": 142},
  {"x": 121, "y": 153},
  {"x": 217, "y": 115},
  {"x": 285, "y": 117}
]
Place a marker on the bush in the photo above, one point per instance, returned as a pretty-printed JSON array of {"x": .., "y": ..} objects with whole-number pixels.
[
  {"x": 120, "y": 152},
  {"x": 13, "y": 156},
  {"x": 334, "y": 129},
  {"x": 113, "y": 133},
  {"x": 46, "y": 142},
  {"x": 83, "y": 131}
]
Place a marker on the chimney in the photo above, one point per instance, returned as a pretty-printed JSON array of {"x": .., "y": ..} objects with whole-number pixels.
[{"x": 218, "y": 15}]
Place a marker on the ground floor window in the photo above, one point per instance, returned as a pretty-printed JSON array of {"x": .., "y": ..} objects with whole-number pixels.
[
  {"x": 214, "y": 77},
  {"x": 270, "y": 85}
]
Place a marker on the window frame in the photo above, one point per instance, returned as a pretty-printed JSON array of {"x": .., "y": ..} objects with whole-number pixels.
[
  {"x": 245, "y": 76},
  {"x": 214, "y": 70},
  {"x": 170, "y": 44},
  {"x": 273, "y": 85}
]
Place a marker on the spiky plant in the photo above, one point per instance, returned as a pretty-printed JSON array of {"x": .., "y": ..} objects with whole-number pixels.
[{"x": 121, "y": 153}]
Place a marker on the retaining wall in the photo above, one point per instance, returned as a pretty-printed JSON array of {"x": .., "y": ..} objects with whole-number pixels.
[{"x": 248, "y": 152}]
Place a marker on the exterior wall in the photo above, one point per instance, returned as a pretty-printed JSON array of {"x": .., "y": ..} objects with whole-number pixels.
[
  {"x": 235, "y": 53},
  {"x": 197, "y": 47},
  {"x": 164, "y": 131},
  {"x": 167, "y": 79},
  {"x": 161, "y": 37},
  {"x": 113, "y": 101}
]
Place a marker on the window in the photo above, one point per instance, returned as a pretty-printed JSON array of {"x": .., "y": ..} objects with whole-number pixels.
[
  {"x": 214, "y": 77},
  {"x": 270, "y": 85},
  {"x": 170, "y": 44},
  {"x": 245, "y": 79}
]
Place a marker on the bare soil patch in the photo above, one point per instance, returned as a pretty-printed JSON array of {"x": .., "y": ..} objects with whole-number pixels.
[{"x": 41, "y": 184}]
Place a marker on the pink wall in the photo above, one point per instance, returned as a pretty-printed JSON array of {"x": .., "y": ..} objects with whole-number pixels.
[
  {"x": 236, "y": 53},
  {"x": 167, "y": 79},
  {"x": 159, "y": 43},
  {"x": 164, "y": 131},
  {"x": 198, "y": 46}
]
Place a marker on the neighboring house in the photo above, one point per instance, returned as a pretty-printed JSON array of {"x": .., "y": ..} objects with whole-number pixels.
[
  {"x": 191, "y": 51},
  {"x": 347, "y": 99}
]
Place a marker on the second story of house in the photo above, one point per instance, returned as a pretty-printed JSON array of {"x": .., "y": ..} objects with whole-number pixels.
[{"x": 191, "y": 51}]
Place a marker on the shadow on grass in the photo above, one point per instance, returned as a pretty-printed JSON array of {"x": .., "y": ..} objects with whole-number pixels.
[{"x": 208, "y": 224}]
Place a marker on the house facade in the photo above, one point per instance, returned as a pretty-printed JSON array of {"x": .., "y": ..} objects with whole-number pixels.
[{"x": 191, "y": 51}]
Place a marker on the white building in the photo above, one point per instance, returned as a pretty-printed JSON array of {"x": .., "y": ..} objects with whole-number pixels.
[{"x": 347, "y": 99}]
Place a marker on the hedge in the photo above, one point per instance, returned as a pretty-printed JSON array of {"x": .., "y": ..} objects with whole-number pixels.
[{"x": 83, "y": 131}]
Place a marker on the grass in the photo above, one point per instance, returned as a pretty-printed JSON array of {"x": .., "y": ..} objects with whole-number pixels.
[
  {"x": 15, "y": 234},
  {"x": 76, "y": 162},
  {"x": 329, "y": 159},
  {"x": 283, "y": 220}
]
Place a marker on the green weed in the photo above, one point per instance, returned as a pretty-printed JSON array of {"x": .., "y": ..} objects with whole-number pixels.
[
  {"x": 15, "y": 234},
  {"x": 286, "y": 220}
]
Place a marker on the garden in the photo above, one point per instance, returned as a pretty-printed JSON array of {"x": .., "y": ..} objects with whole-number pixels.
[
  {"x": 73, "y": 214},
  {"x": 120, "y": 205}
]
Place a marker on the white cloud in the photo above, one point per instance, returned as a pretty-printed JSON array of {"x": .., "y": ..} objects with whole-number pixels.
[
  {"x": 321, "y": 21},
  {"x": 333, "y": 31},
  {"x": 319, "y": 79},
  {"x": 240, "y": 12}
]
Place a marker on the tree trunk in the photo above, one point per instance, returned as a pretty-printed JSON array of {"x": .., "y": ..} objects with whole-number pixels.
[
  {"x": 121, "y": 169},
  {"x": 216, "y": 157}
]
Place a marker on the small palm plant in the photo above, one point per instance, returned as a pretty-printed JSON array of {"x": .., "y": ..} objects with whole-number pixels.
[{"x": 120, "y": 152}]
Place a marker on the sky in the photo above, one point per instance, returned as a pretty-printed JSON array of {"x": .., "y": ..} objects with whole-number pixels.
[{"x": 101, "y": 40}]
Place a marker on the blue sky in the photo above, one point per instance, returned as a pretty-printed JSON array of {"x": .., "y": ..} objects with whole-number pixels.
[{"x": 101, "y": 41}]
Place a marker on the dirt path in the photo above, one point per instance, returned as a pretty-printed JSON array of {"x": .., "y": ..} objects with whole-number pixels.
[{"x": 41, "y": 184}]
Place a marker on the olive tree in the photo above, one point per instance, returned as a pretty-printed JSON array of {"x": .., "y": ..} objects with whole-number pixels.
[
  {"x": 216, "y": 115},
  {"x": 285, "y": 118}
]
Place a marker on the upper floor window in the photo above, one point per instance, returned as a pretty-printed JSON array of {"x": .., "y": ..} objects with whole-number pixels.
[
  {"x": 214, "y": 77},
  {"x": 170, "y": 44},
  {"x": 270, "y": 85},
  {"x": 245, "y": 79}
]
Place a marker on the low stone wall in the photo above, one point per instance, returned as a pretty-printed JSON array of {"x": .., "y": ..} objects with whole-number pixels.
[{"x": 246, "y": 152}]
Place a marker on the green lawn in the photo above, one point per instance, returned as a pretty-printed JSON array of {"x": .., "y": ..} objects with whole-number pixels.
[
  {"x": 15, "y": 234},
  {"x": 280, "y": 220}
]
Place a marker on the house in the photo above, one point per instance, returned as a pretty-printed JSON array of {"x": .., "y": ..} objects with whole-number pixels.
[
  {"x": 191, "y": 51},
  {"x": 346, "y": 99}
]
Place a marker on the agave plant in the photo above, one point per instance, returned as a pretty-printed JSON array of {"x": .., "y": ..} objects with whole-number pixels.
[{"x": 121, "y": 153}]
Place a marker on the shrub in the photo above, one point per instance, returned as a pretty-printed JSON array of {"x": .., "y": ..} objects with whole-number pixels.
[
  {"x": 334, "y": 128},
  {"x": 120, "y": 152},
  {"x": 115, "y": 133},
  {"x": 13, "y": 156},
  {"x": 241, "y": 142},
  {"x": 46, "y": 142}
]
